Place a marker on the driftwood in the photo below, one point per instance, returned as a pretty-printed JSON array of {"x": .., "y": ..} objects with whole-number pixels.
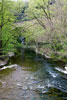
[
  {"x": 66, "y": 67},
  {"x": 10, "y": 66}
]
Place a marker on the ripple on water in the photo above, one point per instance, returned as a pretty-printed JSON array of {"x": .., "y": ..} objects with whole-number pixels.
[{"x": 43, "y": 82}]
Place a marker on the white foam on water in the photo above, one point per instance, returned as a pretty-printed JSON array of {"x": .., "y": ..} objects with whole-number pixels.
[
  {"x": 3, "y": 82},
  {"x": 31, "y": 88},
  {"x": 49, "y": 84},
  {"x": 40, "y": 87},
  {"x": 53, "y": 74},
  {"x": 44, "y": 91},
  {"x": 61, "y": 70},
  {"x": 24, "y": 87},
  {"x": 19, "y": 84}
]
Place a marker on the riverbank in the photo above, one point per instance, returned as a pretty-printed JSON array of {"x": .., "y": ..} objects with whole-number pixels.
[
  {"x": 4, "y": 59},
  {"x": 48, "y": 54},
  {"x": 55, "y": 56}
]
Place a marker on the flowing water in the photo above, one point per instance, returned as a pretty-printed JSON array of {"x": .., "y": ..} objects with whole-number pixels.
[{"x": 33, "y": 79}]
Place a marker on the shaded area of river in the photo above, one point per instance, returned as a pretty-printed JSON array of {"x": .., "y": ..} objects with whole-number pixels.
[{"x": 33, "y": 79}]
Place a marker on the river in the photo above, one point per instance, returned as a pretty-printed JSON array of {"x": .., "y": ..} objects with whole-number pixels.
[{"x": 33, "y": 79}]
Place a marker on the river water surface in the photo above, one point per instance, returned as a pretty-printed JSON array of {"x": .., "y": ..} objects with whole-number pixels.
[{"x": 33, "y": 79}]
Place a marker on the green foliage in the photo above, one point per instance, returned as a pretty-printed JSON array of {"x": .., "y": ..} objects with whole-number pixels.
[
  {"x": 48, "y": 25},
  {"x": 7, "y": 18},
  {"x": 41, "y": 23}
]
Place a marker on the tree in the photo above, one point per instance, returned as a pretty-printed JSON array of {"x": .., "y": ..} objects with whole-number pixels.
[
  {"x": 6, "y": 23},
  {"x": 1, "y": 22},
  {"x": 52, "y": 18}
]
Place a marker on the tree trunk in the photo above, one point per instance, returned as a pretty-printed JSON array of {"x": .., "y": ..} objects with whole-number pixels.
[{"x": 0, "y": 47}]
